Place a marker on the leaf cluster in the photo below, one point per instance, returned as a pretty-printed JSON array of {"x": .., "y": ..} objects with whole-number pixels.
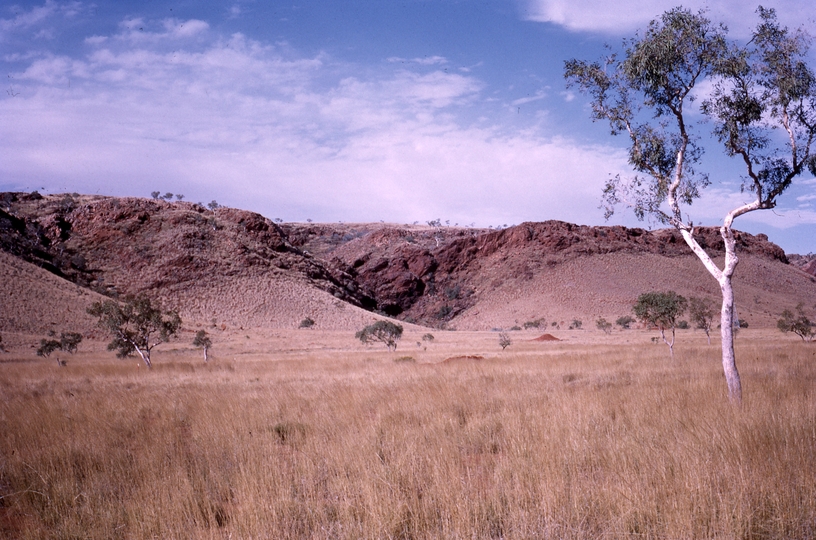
[
  {"x": 135, "y": 324},
  {"x": 202, "y": 340},
  {"x": 385, "y": 332},
  {"x": 797, "y": 323},
  {"x": 661, "y": 309},
  {"x": 68, "y": 342}
]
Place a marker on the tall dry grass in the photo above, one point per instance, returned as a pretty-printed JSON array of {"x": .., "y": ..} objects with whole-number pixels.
[{"x": 601, "y": 442}]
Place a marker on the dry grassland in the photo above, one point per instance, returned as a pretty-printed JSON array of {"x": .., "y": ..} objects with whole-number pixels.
[{"x": 309, "y": 435}]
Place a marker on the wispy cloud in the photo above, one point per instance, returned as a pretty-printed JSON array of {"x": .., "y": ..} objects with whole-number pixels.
[
  {"x": 25, "y": 20},
  {"x": 258, "y": 126},
  {"x": 624, "y": 17}
]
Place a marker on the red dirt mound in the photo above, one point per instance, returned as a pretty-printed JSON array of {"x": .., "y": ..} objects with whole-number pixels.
[
  {"x": 546, "y": 337},
  {"x": 465, "y": 357}
]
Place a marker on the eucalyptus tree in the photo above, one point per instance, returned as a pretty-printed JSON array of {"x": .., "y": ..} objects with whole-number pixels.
[
  {"x": 661, "y": 309},
  {"x": 761, "y": 104},
  {"x": 136, "y": 325}
]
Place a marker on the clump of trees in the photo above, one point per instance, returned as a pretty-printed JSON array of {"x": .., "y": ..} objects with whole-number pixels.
[
  {"x": 385, "y": 332},
  {"x": 661, "y": 309},
  {"x": 761, "y": 103},
  {"x": 68, "y": 342},
  {"x": 798, "y": 323},
  {"x": 203, "y": 340},
  {"x": 136, "y": 325}
]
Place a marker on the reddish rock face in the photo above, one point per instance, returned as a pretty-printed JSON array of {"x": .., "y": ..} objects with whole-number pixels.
[
  {"x": 430, "y": 275},
  {"x": 422, "y": 274}
]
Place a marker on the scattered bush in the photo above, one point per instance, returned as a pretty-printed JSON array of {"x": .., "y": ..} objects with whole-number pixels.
[
  {"x": 504, "y": 340},
  {"x": 604, "y": 325},
  {"x": 683, "y": 325},
  {"x": 575, "y": 324},
  {"x": 515, "y": 328},
  {"x": 306, "y": 323},
  {"x": 625, "y": 322},
  {"x": 47, "y": 346},
  {"x": 428, "y": 337},
  {"x": 202, "y": 340},
  {"x": 444, "y": 312},
  {"x": 799, "y": 323},
  {"x": 69, "y": 341},
  {"x": 212, "y": 205},
  {"x": 537, "y": 323},
  {"x": 701, "y": 311},
  {"x": 382, "y": 331},
  {"x": 404, "y": 359}
]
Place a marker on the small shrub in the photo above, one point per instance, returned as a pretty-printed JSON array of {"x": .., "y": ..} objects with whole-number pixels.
[
  {"x": 683, "y": 325},
  {"x": 306, "y": 323},
  {"x": 625, "y": 322},
  {"x": 537, "y": 323},
  {"x": 504, "y": 340},
  {"x": 404, "y": 359},
  {"x": 444, "y": 312},
  {"x": 428, "y": 337},
  {"x": 575, "y": 324},
  {"x": 515, "y": 328},
  {"x": 604, "y": 325}
]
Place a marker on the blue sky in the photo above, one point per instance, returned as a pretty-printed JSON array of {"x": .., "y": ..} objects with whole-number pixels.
[{"x": 364, "y": 110}]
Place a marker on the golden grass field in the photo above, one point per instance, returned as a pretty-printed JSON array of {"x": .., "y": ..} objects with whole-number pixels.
[{"x": 307, "y": 434}]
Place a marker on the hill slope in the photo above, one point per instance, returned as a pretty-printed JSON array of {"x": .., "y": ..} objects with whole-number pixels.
[{"x": 237, "y": 268}]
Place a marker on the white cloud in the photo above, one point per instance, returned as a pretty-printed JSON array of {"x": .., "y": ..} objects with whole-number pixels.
[
  {"x": 624, "y": 17},
  {"x": 238, "y": 121},
  {"x": 424, "y": 61}
]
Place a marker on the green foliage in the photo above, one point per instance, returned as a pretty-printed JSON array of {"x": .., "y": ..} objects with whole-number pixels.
[
  {"x": 47, "y": 346},
  {"x": 797, "y": 323},
  {"x": 69, "y": 341},
  {"x": 701, "y": 312},
  {"x": 625, "y": 322},
  {"x": 136, "y": 326},
  {"x": 202, "y": 340},
  {"x": 661, "y": 309},
  {"x": 757, "y": 89},
  {"x": 306, "y": 323},
  {"x": 604, "y": 325},
  {"x": 537, "y": 323},
  {"x": 504, "y": 340},
  {"x": 383, "y": 331}
]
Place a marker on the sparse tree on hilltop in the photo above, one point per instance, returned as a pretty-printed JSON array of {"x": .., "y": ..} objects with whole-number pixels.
[
  {"x": 382, "y": 331},
  {"x": 137, "y": 326},
  {"x": 155, "y": 194},
  {"x": 203, "y": 340},
  {"x": 661, "y": 309},
  {"x": 760, "y": 95}
]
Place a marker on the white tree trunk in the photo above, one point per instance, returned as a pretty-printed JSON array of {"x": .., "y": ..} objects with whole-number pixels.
[
  {"x": 723, "y": 277},
  {"x": 205, "y": 355},
  {"x": 145, "y": 356}
]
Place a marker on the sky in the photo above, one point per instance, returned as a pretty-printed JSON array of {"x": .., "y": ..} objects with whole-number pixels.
[{"x": 344, "y": 111}]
